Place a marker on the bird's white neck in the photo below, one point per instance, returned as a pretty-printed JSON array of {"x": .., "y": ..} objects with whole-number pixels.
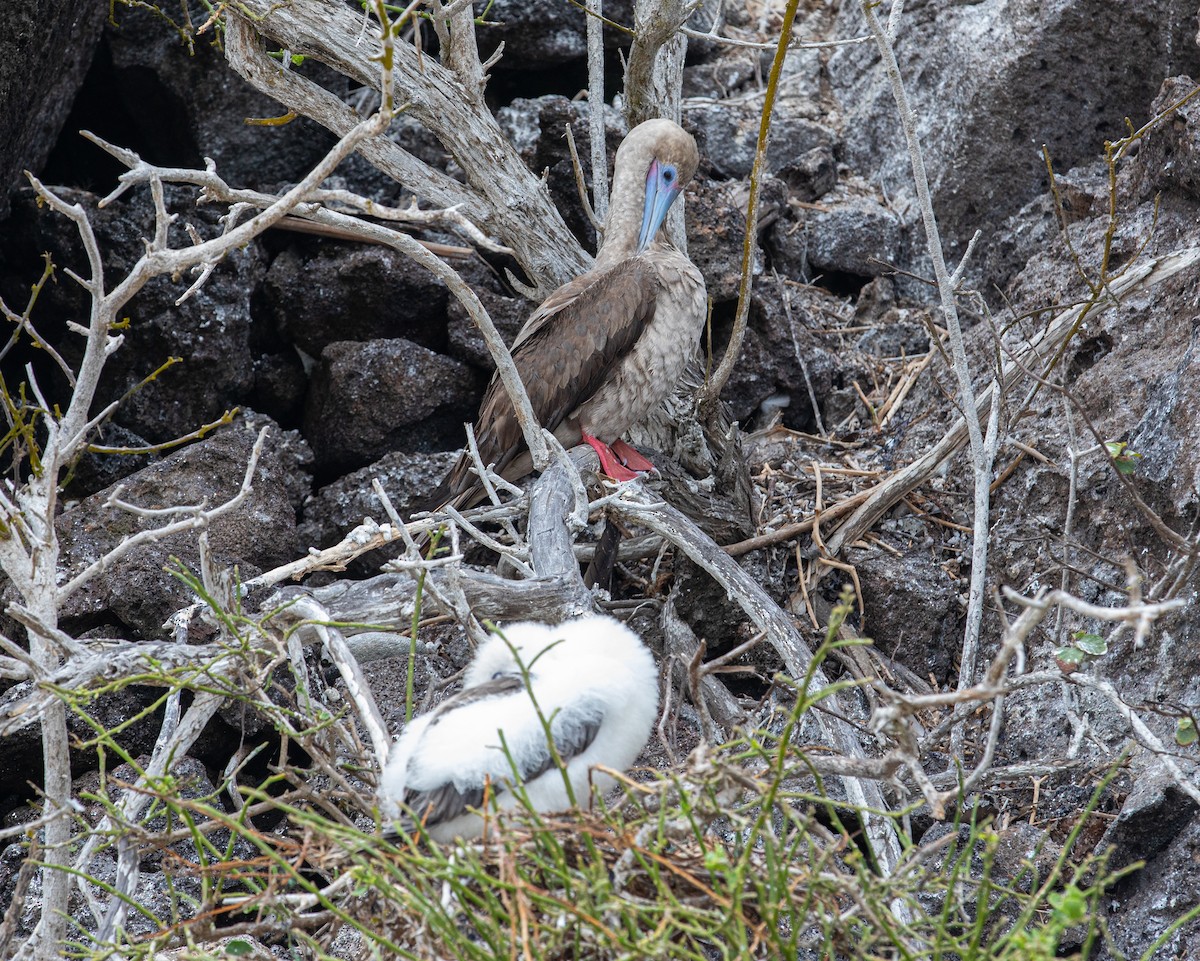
[{"x": 624, "y": 223}]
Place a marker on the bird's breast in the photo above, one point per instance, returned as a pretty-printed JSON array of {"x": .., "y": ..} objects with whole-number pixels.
[{"x": 647, "y": 374}]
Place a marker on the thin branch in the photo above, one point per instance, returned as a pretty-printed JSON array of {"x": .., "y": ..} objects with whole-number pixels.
[
  {"x": 595, "y": 57},
  {"x": 980, "y": 461},
  {"x": 712, "y": 389}
]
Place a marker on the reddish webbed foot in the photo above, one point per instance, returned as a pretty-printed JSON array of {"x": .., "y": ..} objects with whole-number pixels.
[
  {"x": 630, "y": 457},
  {"x": 610, "y": 463}
]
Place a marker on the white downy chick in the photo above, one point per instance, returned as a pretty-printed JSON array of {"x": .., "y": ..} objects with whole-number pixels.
[{"x": 592, "y": 676}]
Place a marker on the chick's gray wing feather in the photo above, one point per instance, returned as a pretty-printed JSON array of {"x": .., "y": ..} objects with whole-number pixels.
[
  {"x": 443, "y": 803},
  {"x": 495, "y": 687},
  {"x": 571, "y": 739},
  {"x": 573, "y": 735}
]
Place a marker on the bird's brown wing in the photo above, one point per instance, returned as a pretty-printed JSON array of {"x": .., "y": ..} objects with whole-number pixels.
[{"x": 564, "y": 353}]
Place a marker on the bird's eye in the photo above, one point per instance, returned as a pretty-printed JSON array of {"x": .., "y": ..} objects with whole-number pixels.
[
  {"x": 668, "y": 175},
  {"x": 497, "y": 675}
]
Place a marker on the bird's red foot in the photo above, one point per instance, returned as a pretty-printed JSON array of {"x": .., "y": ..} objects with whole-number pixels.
[
  {"x": 630, "y": 457},
  {"x": 617, "y": 460}
]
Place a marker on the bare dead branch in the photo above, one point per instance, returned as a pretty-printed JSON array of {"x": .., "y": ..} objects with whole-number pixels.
[{"x": 503, "y": 198}]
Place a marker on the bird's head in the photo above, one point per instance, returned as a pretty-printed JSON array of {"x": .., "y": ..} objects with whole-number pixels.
[
  {"x": 592, "y": 647},
  {"x": 668, "y": 155},
  {"x": 534, "y": 644}
]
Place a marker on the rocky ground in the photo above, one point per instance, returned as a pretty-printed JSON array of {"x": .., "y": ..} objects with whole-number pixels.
[{"x": 367, "y": 367}]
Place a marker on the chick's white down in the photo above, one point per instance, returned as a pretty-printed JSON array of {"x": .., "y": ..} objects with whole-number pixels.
[{"x": 593, "y": 677}]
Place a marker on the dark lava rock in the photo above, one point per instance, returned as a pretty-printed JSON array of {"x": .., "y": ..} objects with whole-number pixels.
[
  {"x": 46, "y": 48},
  {"x": 727, "y": 136},
  {"x": 370, "y": 398},
  {"x": 135, "y": 593},
  {"x": 325, "y": 292},
  {"x": 1153, "y": 815},
  {"x": 895, "y": 339},
  {"x": 21, "y": 752},
  {"x": 716, "y": 219},
  {"x": 208, "y": 335},
  {"x": 97, "y": 469},
  {"x": 280, "y": 386},
  {"x": 850, "y": 234},
  {"x": 1144, "y": 905},
  {"x": 336, "y": 509},
  {"x": 913, "y": 611},
  {"x": 466, "y": 343},
  {"x": 291, "y": 450},
  {"x": 778, "y": 350},
  {"x": 543, "y": 34},
  {"x": 184, "y": 106}
]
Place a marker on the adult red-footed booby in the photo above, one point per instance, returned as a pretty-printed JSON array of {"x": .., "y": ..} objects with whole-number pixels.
[
  {"x": 593, "y": 680},
  {"x": 606, "y": 348}
]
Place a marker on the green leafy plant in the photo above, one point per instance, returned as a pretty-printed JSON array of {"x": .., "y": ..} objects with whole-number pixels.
[
  {"x": 1084, "y": 646},
  {"x": 1124, "y": 459}
]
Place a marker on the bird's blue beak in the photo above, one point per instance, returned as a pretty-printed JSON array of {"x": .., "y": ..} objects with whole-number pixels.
[{"x": 662, "y": 187}]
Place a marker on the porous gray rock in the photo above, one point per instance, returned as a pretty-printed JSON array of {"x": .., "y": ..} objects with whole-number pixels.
[
  {"x": 537, "y": 128},
  {"x": 137, "y": 593},
  {"x": 727, "y": 136},
  {"x": 369, "y": 398},
  {"x": 1155, "y": 811},
  {"x": 913, "y": 609},
  {"x": 990, "y": 83},
  {"x": 1144, "y": 905},
  {"x": 337, "y": 508},
  {"x": 850, "y": 234},
  {"x": 715, "y": 218},
  {"x": 164, "y": 893},
  {"x": 1169, "y": 158}
]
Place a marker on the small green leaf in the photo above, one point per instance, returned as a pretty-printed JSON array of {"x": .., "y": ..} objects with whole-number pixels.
[
  {"x": 1092, "y": 644},
  {"x": 1185, "y": 732},
  {"x": 1069, "y": 659},
  {"x": 1070, "y": 905},
  {"x": 237, "y": 947},
  {"x": 1124, "y": 459}
]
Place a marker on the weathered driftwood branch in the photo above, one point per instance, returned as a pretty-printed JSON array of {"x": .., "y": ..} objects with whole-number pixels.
[
  {"x": 781, "y": 635},
  {"x": 654, "y": 74},
  {"x": 599, "y": 151},
  {"x": 502, "y": 196}
]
